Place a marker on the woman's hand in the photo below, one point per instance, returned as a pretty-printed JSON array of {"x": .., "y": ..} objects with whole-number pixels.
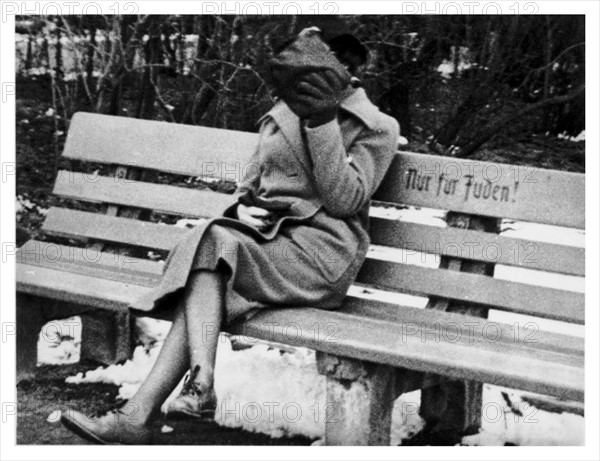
[
  {"x": 254, "y": 216},
  {"x": 316, "y": 97}
]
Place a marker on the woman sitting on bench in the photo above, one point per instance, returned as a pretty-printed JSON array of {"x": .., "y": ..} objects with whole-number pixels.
[{"x": 296, "y": 237}]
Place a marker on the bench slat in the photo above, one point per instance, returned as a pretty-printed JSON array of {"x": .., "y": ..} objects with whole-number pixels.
[
  {"x": 378, "y": 341},
  {"x": 169, "y": 147},
  {"x": 500, "y": 294},
  {"x": 480, "y": 246},
  {"x": 90, "y": 262},
  {"x": 432, "y": 323},
  {"x": 63, "y": 222},
  {"x": 76, "y": 288},
  {"x": 542, "y": 196},
  {"x": 158, "y": 197}
]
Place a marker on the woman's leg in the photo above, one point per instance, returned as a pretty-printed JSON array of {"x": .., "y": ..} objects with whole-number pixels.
[
  {"x": 204, "y": 305},
  {"x": 192, "y": 340},
  {"x": 170, "y": 366}
]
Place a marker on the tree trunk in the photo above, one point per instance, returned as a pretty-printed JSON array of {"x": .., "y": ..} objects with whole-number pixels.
[
  {"x": 89, "y": 67},
  {"x": 547, "y": 121},
  {"x": 448, "y": 133}
]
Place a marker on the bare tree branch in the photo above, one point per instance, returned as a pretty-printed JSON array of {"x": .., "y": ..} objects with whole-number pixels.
[{"x": 495, "y": 126}]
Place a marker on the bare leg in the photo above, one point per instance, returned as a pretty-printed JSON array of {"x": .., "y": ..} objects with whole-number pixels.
[
  {"x": 169, "y": 368},
  {"x": 203, "y": 301}
]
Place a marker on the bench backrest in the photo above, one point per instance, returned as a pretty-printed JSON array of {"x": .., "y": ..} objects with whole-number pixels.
[{"x": 463, "y": 186}]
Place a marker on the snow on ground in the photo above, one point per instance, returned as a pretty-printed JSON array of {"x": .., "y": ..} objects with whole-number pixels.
[
  {"x": 59, "y": 342},
  {"x": 580, "y": 137},
  {"x": 461, "y": 62},
  {"x": 279, "y": 393}
]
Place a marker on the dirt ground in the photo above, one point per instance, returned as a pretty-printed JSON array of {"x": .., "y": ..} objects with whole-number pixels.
[{"x": 47, "y": 392}]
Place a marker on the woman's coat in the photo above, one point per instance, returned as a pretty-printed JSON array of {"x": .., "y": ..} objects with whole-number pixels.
[{"x": 312, "y": 254}]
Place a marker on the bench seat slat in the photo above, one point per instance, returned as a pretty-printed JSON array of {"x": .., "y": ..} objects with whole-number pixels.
[
  {"x": 63, "y": 222},
  {"x": 158, "y": 197},
  {"x": 480, "y": 246},
  {"x": 541, "y": 195},
  {"x": 433, "y": 324},
  {"x": 168, "y": 147},
  {"x": 378, "y": 341},
  {"x": 90, "y": 262},
  {"x": 500, "y": 294},
  {"x": 76, "y": 288}
]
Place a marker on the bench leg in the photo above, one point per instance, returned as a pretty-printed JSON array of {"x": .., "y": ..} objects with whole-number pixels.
[
  {"x": 360, "y": 399},
  {"x": 452, "y": 409},
  {"x": 106, "y": 336},
  {"x": 30, "y": 320}
]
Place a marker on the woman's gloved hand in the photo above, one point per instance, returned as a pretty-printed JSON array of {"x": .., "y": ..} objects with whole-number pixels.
[
  {"x": 316, "y": 97},
  {"x": 259, "y": 212},
  {"x": 254, "y": 216}
]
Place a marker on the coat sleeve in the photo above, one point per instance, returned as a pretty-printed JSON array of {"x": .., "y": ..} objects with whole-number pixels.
[
  {"x": 347, "y": 180},
  {"x": 249, "y": 180}
]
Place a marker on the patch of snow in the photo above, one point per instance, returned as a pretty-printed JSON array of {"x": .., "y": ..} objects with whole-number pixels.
[
  {"x": 523, "y": 424},
  {"x": 484, "y": 439},
  {"x": 187, "y": 223},
  {"x": 543, "y": 233},
  {"x": 209, "y": 179},
  {"x": 133, "y": 371},
  {"x": 150, "y": 331},
  {"x": 401, "y": 299},
  {"x": 540, "y": 278},
  {"x": 59, "y": 342},
  {"x": 579, "y": 138},
  {"x": 447, "y": 68},
  {"x": 428, "y": 216}
]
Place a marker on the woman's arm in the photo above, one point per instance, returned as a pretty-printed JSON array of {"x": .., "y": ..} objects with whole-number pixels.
[
  {"x": 347, "y": 180},
  {"x": 249, "y": 181}
]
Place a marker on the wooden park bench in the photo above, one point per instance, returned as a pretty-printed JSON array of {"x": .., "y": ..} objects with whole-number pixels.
[{"x": 92, "y": 263}]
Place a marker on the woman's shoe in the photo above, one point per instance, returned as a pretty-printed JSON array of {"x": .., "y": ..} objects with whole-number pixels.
[
  {"x": 193, "y": 402},
  {"x": 114, "y": 428}
]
